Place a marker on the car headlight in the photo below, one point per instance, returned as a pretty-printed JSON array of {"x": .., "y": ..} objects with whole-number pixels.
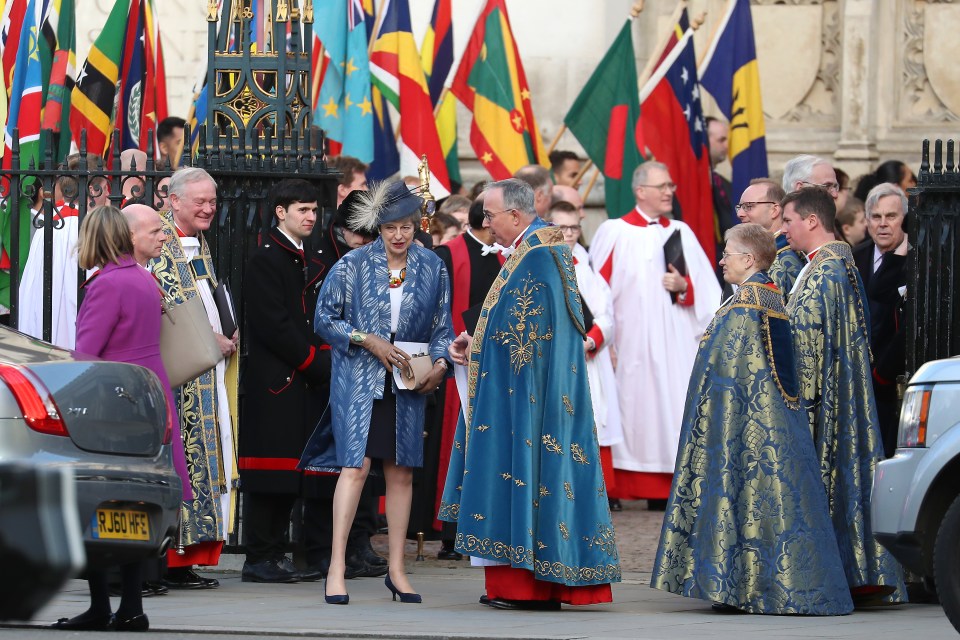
[{"x": 913, "y": 417}]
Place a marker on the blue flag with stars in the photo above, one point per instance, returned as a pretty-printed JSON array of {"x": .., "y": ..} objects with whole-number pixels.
[{"x": 344, "y": 109}]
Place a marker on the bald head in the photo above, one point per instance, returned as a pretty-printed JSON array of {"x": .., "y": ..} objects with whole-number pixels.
[
  {"x": 146, "y": 230},
  {"x": 562, "y": 192}
]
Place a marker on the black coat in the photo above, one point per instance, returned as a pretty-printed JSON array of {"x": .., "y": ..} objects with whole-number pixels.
[
  {"x": 286, "y": 377},
  {"x": 887, "y": 334}
]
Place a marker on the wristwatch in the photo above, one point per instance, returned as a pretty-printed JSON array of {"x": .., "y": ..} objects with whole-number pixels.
[{"x": 357, "y": 336}]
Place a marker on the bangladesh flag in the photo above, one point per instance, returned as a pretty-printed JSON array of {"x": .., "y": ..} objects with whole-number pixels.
[{"x": 605, "y": 118}]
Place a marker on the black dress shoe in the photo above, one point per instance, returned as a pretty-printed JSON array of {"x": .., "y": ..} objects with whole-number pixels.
[
  {"x": 449, "y": 554},
  {"x": 357, "y": 568},
  {"x": 485, "y": 600},
  {"x": 268, "y": 571},
  {"x": 615, "y": 505},
  {"x": 186, "y": 578},
  {"x": 312, "y": 574},
  {"x": 138, "y": 622},
  {"x": 726, "y": 609},
  {"x": 524, "y": 605},
  {"x": 155, "y": 588},
  {"x": 84, "y": 622},
  {"x": 372, "y": 558},
  {"x": 656, "y": 505}
]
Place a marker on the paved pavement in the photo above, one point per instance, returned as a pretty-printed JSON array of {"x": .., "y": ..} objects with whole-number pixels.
[{"x": 450, "y": 609}]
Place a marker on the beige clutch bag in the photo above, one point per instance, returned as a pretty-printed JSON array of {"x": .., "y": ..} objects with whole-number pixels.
[{"x": 420, "y": 366}]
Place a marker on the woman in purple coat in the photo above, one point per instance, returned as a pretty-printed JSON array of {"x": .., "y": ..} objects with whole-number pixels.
[{"x": 119, "y": 320}]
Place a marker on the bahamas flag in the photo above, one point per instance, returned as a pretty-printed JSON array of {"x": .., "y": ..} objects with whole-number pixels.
[
  {"x": 729, "y": 71},
  {"x": 605, "y": 120},
  {"x": 436, "y": 54},
  {"x": 491, "y": 83},
  {"x": 91, "y": 102},
  {"x": 395, "y": 67},
  {"x": 344, "y": 108}
]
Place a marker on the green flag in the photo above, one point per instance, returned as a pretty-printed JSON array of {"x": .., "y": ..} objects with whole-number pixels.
[
  {"x": 605, "y": 118},
  {"x": 58, "y": 60}
]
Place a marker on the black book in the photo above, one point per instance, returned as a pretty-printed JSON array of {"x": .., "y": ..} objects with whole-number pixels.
[
  {"x": 673, "y": 254},
  {"x": 224, "y": 302}
]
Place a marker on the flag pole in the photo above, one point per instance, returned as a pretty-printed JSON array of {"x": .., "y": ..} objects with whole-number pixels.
[
  {"x": 635, "y": 11},
  {"x": 586, "y": 167},
  {"x": 593, "y": 181},
  {"x": 376, "y": 28},
  {"x": 713, "y": 34},
  {"x": 556, "y": 139},
  {"x": 661, "y": 45}
]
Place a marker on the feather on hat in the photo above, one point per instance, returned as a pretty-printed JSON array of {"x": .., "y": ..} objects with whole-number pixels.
[{"x": 384, "y": 202}]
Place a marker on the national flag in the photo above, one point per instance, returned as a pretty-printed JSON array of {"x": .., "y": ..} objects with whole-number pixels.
[
  {"x": 730, "y": 73},
  {"x": 24, "y": 117},
  {"x": 675, "y": 133},
  {"x": 396, "y": 70},
  {"x": 58, "y": 61},
  {"x": 386, "y": 157},
  {"x": 155, "y": 104},
  {"x": 605, "y": 119},
  {"x": 345, "y": 110},
  {"x": 92, "y": 99},
  {"x": 491, "y": 83},
  {"x": 132, "y": 78},
  {"x": 436, "y": 55},
  {"x": 13, "y": 16}
]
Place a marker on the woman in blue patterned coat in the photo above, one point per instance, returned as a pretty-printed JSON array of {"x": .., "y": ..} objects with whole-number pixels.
[{"x": 388, "y": 290}]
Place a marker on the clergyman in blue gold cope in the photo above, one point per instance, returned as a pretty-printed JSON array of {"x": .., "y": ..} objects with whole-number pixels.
[{"x": 729, "y": 71}]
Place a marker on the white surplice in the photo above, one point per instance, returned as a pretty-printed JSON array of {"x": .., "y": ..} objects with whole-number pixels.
[
  {"x": 191, "y": 248},
  {"x": 603, "y": 383},
  {"x": 64, "y": 300},
  {"x": 656, "y": 340}
]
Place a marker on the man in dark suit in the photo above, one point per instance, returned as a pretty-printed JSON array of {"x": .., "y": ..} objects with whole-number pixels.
[
  {"x": 882, "y": 262},
  {"x": 286, "y": 381}
]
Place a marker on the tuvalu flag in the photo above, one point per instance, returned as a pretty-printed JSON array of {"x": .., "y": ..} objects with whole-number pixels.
[
  {"x": 395, "y": 67},
  {"x": 344, "y": 109},
  {"x": 386, "y": 158},
  {"x": 605, "y": 119},
  {"x": 676, "y": 135},
  {"x": 729, "y": 71},
  {"x": 491, "y": 83},
  {"x": 91, "y": 102}
]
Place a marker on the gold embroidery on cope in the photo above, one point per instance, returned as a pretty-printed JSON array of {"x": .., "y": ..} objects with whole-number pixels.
[
  {"x": 552, "y": 444},
  {"x": 578, "y": 455}
]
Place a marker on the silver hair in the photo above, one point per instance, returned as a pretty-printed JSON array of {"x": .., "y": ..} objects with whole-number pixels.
[
  {"x": 800, "y": 169},
  {"x": 517, "y": 194},
  {"x": 641, "y": 172},
  {"x": 883, "y": 190},
  {"x": 184, "y": 176}
]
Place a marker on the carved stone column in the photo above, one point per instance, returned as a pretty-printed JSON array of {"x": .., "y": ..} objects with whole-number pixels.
[{"x": 857, "y": 148}]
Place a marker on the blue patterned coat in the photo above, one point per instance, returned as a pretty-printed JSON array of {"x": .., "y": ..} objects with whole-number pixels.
[{"x": 356, "y": 295}]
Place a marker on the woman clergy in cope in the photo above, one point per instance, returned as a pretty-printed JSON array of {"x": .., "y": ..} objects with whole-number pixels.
[
  {"x": 390, "y": 289},
  {"x": 747, "y": 526}
]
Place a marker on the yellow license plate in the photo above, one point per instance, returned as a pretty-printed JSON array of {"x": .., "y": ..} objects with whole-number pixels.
[{"x": 121, "y": 524}]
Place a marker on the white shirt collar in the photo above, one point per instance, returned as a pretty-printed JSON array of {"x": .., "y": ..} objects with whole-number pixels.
[
  {"x": 485, "y": 248},
  {"x": 296, "y": 243}
]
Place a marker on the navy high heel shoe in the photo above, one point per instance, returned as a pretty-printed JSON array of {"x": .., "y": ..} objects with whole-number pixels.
[
  {"x": 409, "y": 598},
  {"x": 338, "y": 599}
]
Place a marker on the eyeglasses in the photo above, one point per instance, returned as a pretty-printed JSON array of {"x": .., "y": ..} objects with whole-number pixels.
[
  {"x": 488, "y": 215},
  {"x": 727, "y": 254},
  {"x": 568, "y": 227},
  {"x": 666, "y": 187},
  {"x": 831, "y": 187},
  {"x": 748, "y": 206}
]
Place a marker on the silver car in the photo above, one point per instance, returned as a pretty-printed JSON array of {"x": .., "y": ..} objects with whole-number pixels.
[
  {"x": 916, "y": 493},
  {"x": 109, "y": 423}
]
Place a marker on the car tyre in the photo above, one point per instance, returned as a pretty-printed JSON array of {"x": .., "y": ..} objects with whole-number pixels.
[{"x": 946, "y": 563}]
